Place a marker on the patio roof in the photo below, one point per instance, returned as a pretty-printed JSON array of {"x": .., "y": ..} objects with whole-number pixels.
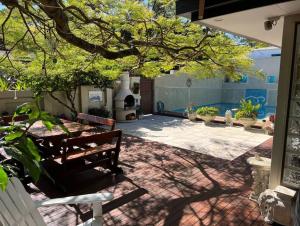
[
  {"x": 213, "y": 8},
  {"x": 240, "y": 18}
]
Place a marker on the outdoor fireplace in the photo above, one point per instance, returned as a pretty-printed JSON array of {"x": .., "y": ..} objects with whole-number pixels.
[{"x": 125, "y": 101}]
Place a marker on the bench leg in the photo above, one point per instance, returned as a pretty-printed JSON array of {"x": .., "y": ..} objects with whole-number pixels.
[
  {"x": 114, "y": 160},
  {"x": 97, "y": 212},
  {"x": 117, "y": 170}
]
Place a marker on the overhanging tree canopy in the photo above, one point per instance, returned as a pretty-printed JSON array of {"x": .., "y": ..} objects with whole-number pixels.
[
  {"x": 45, "y": 41},
  {"x": 124, "y": 35}
]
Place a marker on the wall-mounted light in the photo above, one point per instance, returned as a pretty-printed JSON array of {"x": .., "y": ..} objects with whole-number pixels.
[{"x": 15, "y": 97}]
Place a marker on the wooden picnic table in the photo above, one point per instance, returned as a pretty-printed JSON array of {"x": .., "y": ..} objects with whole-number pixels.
[
  {"x": 50, "y": 141},
  {"x": 85, "y": 147},
  {"x": 39, "y": 131}
]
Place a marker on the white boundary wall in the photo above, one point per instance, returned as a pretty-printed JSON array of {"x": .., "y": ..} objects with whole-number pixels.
[
  {"x": 9, "y": 104},
  {"x": 173, "y": 92}
]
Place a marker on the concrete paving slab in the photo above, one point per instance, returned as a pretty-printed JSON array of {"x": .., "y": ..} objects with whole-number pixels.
[{"x": 215, "y": 140}]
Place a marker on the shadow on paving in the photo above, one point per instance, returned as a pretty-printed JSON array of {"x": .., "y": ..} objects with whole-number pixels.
[{"x": 164, "y": 185}]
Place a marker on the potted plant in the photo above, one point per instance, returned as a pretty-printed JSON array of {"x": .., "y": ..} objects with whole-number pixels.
[
  {"x": 207, "y": 114},
  {"x": 191, "y": 113},
  {"x": 139, "y": 112},
  {"x": 247, "y": 113}
]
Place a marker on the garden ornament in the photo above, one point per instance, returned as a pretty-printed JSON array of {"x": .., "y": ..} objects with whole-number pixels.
[
  {"x": 228, "y": 118},
  {"x": 257, "y": 157},
  {"x": 267, "y": 201},
  {"x": 160, "y": 106},
  {"x": 188, "y": 82}
]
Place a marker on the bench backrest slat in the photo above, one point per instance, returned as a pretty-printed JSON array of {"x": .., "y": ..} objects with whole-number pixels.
[
  {"x": 101, "y": 138},
  {"x": 17, "y": 207},
  {"x": 97, "y": 120}
]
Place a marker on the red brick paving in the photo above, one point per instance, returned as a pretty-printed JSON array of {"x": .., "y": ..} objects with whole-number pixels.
[{"x": 163, "y": 185}]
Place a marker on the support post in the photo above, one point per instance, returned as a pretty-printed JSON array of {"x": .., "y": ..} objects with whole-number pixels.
[{"x": 97, "y": 213}]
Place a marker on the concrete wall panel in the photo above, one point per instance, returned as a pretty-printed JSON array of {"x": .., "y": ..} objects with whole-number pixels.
[
  {"x": 9, "y": 104},
  {"x": 172, "y": 90},
  {"x": 272, "y": 98},
  {"x": 232, "y": 95}
]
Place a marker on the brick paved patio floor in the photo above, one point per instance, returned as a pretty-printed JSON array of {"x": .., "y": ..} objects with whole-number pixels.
[{"x": 163, "y": 185}]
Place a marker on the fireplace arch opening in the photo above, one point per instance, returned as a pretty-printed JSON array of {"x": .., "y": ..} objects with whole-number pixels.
[{"x": 129, "y": 101}]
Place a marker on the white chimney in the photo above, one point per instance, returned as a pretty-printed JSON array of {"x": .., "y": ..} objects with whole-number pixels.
[{"x": 125, "y": 103}]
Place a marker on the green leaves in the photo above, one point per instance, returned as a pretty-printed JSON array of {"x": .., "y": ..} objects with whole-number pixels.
[
  {"x": 19, "y": 145},
  {"x": 19, "y": 86},
  {"x": 3, "y": 179},
  {"x": 27, "y": 147},
  {"x": 163, "y": 41},
  {"x": 48, "y": 124},
  {"x": 31, "y": 165},
  {"x": 212, "y": 111},
  {"x": 247, "y": 110},
  {"x": 4, "y": 86},
  {"x": 50, "y": 121},
  {"x": 13, "y": 135},
  {"x": 25, "y": 108}
]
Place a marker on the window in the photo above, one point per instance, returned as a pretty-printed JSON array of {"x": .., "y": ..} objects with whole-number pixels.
[
  {"x": 271, "y": 79},
  {"x": 136, "y": 88}
]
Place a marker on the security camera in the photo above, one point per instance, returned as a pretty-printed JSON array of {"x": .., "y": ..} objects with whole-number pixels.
[
  {"x": 271, "y": 22},
  {"x": 268, "y": 25}
]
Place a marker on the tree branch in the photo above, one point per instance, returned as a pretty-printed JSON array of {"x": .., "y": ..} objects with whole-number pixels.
[
  {"x": 3, "y": 26},
  {"x": 62, "y": 103}
]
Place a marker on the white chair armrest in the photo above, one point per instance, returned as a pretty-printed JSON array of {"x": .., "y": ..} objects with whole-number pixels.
[{"x": 87, "y": 199}]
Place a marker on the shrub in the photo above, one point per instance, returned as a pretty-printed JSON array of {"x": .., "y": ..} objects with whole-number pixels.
[
  {"x": 4, "y": 85},
  {"x": 247, "y": 110},
  {"x": 139, "y": 110},
  {"x": 213, "y": 111},
  {"x": 101, "y": 112}
]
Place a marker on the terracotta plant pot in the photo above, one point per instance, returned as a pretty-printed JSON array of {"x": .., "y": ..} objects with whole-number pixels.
[
  {"x": 192, "y": 116},
  {"x": 207, "y": 118},
  {"x": 247, "y": 122}
]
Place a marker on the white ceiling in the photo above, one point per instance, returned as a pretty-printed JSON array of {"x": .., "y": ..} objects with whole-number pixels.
[{"x": 250, "y": 23}]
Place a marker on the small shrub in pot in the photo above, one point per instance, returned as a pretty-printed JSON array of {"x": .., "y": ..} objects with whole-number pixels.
[
  {"x": 207, "y": 113},
  {"x": 139, "y": 112},
  {"x": 247, "y": 113}
]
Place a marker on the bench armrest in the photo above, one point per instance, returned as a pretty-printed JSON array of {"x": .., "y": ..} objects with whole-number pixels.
[{"x": 87, "y": 199}]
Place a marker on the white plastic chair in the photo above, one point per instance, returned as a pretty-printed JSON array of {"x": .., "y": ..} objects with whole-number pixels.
[{"x": 17, "y": 207}]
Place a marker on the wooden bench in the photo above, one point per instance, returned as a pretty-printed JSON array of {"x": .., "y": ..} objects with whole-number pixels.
[
  {"x": 96, "y": 120},
  {"x": 6, "y": 121},
  {"x": 91, "y": 150},
  {"x": 17, "y": 207},
  {"x": 9, "y": 118}
]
